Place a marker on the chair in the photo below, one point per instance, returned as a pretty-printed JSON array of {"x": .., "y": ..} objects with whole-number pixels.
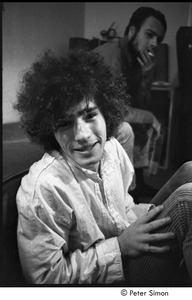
[{"x": 12, "y": 273}]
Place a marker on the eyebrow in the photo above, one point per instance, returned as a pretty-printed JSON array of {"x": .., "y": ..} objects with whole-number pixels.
[
  {"x": 81, "y": 112},
  {"x": 151, "y": 31},
  {"x": 87, "y": 109}
]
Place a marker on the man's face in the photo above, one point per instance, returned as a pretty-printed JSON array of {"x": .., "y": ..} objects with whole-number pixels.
[
  {"x": 82, "y": 135},
  {"x": 148, "y": 37}
]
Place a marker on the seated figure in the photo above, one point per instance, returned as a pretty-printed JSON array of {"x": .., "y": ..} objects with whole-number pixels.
[
  {"x": 77, "y": 223},
  {"x": 134, "y": 57}
]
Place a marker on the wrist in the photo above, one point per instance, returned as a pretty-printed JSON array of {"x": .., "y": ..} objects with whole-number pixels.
[
  {"x": 147, "y": 75},
  {"x": 121, "y": 245},
  {"x": 124, "y": 258}
]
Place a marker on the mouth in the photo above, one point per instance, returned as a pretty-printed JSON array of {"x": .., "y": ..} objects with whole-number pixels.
[{"x": 85, "y": 148}]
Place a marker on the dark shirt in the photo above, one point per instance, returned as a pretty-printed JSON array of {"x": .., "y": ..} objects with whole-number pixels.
[{"x": 117, "y": 54}]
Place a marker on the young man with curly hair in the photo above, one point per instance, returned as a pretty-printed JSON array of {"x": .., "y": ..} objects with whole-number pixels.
[{"x": 77, "y": 224}]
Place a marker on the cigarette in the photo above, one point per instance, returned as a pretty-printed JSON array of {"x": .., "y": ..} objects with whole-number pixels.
[{"x": 151, "y": 54}]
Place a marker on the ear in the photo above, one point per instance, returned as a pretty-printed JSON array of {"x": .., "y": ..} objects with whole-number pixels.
[{"x": 131, "y": 32}]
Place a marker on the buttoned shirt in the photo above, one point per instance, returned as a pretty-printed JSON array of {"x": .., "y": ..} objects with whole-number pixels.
[{"x": 69, "y": 218}]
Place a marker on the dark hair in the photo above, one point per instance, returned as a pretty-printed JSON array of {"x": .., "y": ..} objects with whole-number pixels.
[
  {"x": 55, "y": 84},
  {"x": 141, "y": 14}
]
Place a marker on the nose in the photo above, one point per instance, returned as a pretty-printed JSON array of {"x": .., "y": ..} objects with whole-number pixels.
[
  {"x": 82, "y": 131},
  {"x": 154, "y": 42}
]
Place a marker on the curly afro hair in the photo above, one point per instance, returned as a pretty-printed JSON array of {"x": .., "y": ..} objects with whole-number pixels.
[{"x": 53, "y": 85}]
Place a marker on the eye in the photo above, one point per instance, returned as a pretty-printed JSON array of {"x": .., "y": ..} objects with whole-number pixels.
[
  {"x": 64, "y": 123},
  {"x": 150, "y": 35},
  {"x": 90, "y": 115},
  {"x": 67, "y": 123}
]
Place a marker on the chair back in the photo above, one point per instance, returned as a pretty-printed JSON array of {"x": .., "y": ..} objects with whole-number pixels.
[{"x": 12, "y": 273}]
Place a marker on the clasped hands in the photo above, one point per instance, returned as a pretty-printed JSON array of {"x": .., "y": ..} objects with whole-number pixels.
[{"x": 138, "y": 238}]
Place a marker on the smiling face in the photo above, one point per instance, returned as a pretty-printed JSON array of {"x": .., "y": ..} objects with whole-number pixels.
[
  {"x": 82, "y": 135},
  {"x": 149, "y": 36}
]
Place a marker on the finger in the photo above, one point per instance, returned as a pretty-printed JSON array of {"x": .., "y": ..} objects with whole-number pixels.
[
  {"x": 144, "y": 59},
  {"x": 156, "y": 237},
  {"x": 151, "y": 52},
  {"x": 156, "y": 224},
  {"x": 155, "y": 249},
  {"x": 148, "y": 58},
  {"x": 140, "y": 61},
  {"x": 150, "y": 215}
]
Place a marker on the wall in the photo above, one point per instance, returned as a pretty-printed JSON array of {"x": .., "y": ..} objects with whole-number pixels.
[
  {"x": 100, "y": 15},
  {"x": 28, "y": 29}
]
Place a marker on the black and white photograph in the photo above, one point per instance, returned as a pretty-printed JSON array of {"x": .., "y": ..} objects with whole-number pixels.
[{"x": 97, "y": 149}]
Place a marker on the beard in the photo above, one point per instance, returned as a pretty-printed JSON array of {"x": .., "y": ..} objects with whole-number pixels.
[{"x": 133, "y": 49}]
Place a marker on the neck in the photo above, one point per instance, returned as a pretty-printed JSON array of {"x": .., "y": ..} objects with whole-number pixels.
[{"x": 95, "y": 168}]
